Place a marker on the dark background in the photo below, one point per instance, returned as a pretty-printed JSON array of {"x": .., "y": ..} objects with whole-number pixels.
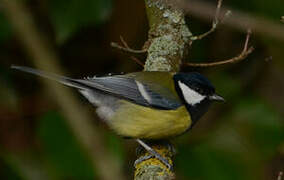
[{"x": 242, "y": 139}]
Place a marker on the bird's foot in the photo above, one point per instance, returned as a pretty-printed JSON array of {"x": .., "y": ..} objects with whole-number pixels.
[{"x": 154, "y": 154}]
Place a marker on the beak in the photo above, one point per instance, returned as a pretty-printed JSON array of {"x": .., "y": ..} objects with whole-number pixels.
[{"x": 216, "y": 97}]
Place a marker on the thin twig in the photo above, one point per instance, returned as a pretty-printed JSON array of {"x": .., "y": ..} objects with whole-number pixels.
[
  {"x": 280, "y": 175},
  {"x": 240, "y": 20},
  {"x": 246, "y": 51},
  {"x": 115, "y": 45},
  {"x": 137, "y": 61},
  {"x": 123, "y": 42},
  {"x": 126, "y": 48},
  {"x": 214, "y": 23},
  {"x": 269, "y": 58}
]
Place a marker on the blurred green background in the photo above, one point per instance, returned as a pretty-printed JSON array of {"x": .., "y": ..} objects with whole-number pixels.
[{"x": 242, "y": 139}]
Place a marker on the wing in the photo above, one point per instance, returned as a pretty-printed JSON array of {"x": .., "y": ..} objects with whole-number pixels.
[
  {"x": 134, "y": 90},
  {"x": 131, "y": 87}
]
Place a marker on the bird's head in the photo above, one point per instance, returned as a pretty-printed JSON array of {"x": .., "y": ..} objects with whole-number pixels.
[{"x": 196, "y": 91}]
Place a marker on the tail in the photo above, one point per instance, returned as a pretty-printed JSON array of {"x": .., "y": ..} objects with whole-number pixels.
[{"x": 64, "y": 80}]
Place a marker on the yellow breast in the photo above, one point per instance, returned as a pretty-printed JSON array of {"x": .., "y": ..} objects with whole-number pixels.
[{"x": 132, "y": 120}]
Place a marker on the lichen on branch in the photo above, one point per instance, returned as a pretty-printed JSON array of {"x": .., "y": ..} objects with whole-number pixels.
[
  {"x": 167, "y": 45},
  {"x": 168, "y": 36}
]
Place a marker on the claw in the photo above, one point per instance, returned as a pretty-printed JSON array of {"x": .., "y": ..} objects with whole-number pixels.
[
  {"x": 153, "y": 154},
  {"x": 143, "y": 158}
]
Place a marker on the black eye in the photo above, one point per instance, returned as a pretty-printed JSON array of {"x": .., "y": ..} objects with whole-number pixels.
[{"x": 199, "y": 90}]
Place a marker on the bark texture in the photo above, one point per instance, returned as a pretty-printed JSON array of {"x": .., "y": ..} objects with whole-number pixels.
[{"x": 168, "y": 44}]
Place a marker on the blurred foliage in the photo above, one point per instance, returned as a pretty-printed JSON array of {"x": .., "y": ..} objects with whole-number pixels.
[
  {"x": 248, "y": 136},
  {"x": 242, "y": 139},
  {"x": 5, "y": 28},
  {"x": 66, "y": 159},
  {"x": 261, "y": 7},
  {"x": 68, "y": 16}
]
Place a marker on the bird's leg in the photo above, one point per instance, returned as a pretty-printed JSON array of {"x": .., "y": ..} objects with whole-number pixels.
[{"x": 153, "y": 153}]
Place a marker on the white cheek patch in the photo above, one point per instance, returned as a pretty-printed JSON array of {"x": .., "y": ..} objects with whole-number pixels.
[{"x": 191, "y": 97}]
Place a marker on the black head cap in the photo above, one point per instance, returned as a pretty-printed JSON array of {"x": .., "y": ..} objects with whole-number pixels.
[{"x": 196, "y": 81}]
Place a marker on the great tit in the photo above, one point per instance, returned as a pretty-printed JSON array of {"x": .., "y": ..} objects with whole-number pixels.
[{"x": 144, "y": 105}]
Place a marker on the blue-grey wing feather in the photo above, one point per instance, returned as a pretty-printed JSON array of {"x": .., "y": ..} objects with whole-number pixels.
[
  {"x": 123, "y": 87},
  {"x": 126, "y": 88}
]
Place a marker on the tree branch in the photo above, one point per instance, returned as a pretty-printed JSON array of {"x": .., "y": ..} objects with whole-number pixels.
[
  {"x": 215, "y": 22},
  {"x": 280, "y": 175},
  {"x": 126, "y": 48},
  {"x": 168, "y": 36},
  {"x": 169, "y": 40},
  {"x": 239, "y": 20},
  {"x": 245, "y": 52}
]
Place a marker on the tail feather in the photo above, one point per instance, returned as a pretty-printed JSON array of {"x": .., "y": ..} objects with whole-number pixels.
[{"x": 64, "y": 80}]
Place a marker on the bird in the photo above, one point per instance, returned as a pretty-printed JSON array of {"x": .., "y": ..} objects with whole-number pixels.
[{"x": 146, "y": 105}]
